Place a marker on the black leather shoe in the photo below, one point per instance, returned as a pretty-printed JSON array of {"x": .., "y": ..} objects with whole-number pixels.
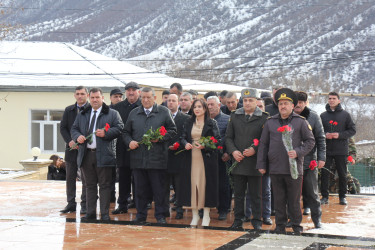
[
  {"x": 343, "y": 201},
  {"x": 83, "y": 210},
  {"x": 139, "y": 220},
  {"x": 179, "y": 216},
  {"x": 120, "y": 210},
  {"x": 88, "y": 217},
  {"x": 257, "y": 224},
  {"x": 237, "y": 225},
  {"x": 68, "y": 209},
  {"x": 297, "y": 230},
  {"x": 324, "y": 200},
  {"x": 267, "y": 221},
  {"x": 289, "y": 224},
  {"x": 105, "y": 217},
  {"x": 318, "y": 224},
  {"x": 162, "y": 221},
  {"x": 149, "y": 206},
  {"x": 306, "y": 211},
  {"x": 280, "y": 230},
  {"x": 222, "y": 216}
]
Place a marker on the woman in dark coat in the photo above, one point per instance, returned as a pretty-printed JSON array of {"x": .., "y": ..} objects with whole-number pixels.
[
  {"x": 199, "y": 175},
  {"x": 55, "y": 171}
]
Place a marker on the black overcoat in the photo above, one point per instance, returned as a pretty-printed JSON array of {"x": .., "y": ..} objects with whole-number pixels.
[
  {"x": 175, "y": 161},
  {"x": 210, "y": 159}
]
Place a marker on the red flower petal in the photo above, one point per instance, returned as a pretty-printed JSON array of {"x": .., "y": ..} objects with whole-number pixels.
[
  {"x": 106, "y": 127},
  {"x": 256, "y": 142},
  {"x": 330, "y": 121},
  {"x": 335, "y": 124},
  {"x": 350, "y": 158},
  {"x": 162, "y": 131}
]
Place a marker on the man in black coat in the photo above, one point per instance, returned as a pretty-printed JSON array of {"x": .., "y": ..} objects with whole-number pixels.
[
  {"x": 310, "y": 190},
  {"x": 175, "y": 161},
  {"x": 225, "y": 195},
  {"x": 96, "y": 155},
  {"x": 232, "y": 103},
  {"x": 149, "y": 166},
  {"x": 66, "y": 124},
  {"x": 339, "y": 127},
  {"x": 131, "y": 102}
]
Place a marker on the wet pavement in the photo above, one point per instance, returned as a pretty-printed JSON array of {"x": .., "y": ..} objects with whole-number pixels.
[{"x": 30, "y": 219}]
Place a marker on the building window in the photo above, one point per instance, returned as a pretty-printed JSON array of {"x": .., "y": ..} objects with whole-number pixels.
[{"x": 45, "y": 131}]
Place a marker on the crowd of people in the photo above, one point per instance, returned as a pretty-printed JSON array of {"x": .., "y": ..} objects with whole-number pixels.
[{"x": 265, "y": 150}]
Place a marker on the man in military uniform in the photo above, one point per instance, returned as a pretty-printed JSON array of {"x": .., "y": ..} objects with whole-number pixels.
[
  {"x": 272, "y": 152},
  {"x": 244, "y": 127}
]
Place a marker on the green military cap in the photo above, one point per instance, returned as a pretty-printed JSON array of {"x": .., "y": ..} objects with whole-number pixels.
[
  {"x": 286, "y": 94},
  {"x": 246, "y": 93}
]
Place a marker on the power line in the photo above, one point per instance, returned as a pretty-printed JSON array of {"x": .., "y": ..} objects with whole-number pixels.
[{"x": 190, "y": 59}]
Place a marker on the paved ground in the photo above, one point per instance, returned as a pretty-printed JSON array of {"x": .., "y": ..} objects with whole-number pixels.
[{"x": 30, "y": 219}]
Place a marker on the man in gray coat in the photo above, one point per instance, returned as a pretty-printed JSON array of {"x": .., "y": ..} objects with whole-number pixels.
[
  {"x": 272, "y": 152},
  {"x": 96, "y": 157},
  {"x": 244, "y": 127},
  {"x": 310, "y": 190},
  {"x": 149, "y": 166}
]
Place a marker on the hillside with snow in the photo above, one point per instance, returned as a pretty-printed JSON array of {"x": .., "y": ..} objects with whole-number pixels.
[{"x": 316, "y": 45}]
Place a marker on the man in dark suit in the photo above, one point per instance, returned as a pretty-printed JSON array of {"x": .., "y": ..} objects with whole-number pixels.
[
  {"x": 96, "y": 155},
  {"x": 66, "y": 124},
  {"x": 149, "y": 165},
  {"x": 122, "y": 154},
  {"x": 174, "y": 161}
]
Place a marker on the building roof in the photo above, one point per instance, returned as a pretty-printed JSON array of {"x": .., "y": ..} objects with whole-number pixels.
[{"x": 46, "y": 66}]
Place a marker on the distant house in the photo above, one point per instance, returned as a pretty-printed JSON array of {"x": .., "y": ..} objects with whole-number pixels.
[{"x": 38, "y": 80}]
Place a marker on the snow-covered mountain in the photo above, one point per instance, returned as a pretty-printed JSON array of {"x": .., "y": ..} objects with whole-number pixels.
[{"x": 313, "y": 44}]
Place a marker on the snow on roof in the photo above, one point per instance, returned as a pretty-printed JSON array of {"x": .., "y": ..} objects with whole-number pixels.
[{"x": 61, "y": 65}]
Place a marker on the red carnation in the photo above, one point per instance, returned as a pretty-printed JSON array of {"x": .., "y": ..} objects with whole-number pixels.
[
  {"x": 162, "y": 131},
  {"x": 312, "y": 165},
  {"x": 330, "y": 121},
  {"x": 281, "y": 129},
  {"x": 176, "y": 145},
  {"x": 334, "y": 123},
  {"x": 287, "y": 128},
  {"x": 106, "y": 127},
  {"x": 256, "y": 142},
  {"x": 219, "y": 147},
  {"x": 213, "y": 139},
  {"x": 350, "y": 158}
]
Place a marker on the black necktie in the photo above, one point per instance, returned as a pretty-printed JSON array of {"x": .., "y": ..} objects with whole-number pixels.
[
  {"x": 147, "y": 112},
  {"x": 92, "y": 123}
]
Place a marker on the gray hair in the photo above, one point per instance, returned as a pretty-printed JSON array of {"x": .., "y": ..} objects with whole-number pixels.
[
  {"x": 148, "y": 89},
  {"x": 214, "y": 98},
  {"x": 230, "y": 95},
  {"x": 187, "y": 94}
]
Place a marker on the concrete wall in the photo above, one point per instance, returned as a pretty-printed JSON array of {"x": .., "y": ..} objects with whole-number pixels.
[{"x": 15, "y": 122}]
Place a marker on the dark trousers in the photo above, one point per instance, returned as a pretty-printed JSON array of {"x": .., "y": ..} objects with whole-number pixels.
[
  {"x": 95, "y": 176},
  {"x": 310, "y": 193},
  {"x": 266, "y": 198},
  {"x": 225, "y": 196},
  {"x": 240, "y": 187},
  {"x": 173, "y": 179},
  {"x": 150, "y": 183},
  {"x": 113, "y": 183},
  {"x": 340, "y": 162},
  {"x": 287, "y": 191},
  {"x": 124, "y": 185},
  {"x": 71, "y": 179}
]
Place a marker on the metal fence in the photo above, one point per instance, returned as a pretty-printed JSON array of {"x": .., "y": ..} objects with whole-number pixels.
[{"x": 365, "y": 175}]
